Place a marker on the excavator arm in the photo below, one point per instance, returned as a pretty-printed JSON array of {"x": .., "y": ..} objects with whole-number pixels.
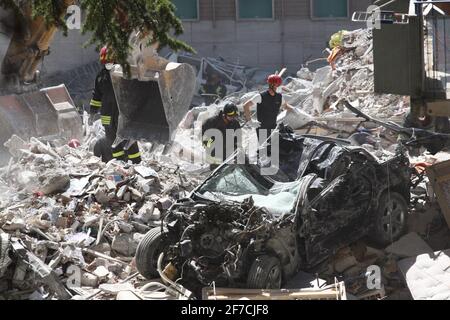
[
  {"x": 26, "y": 110},
  {"x": 30, "y": 39},
  {"x": 152, "y": 100}
]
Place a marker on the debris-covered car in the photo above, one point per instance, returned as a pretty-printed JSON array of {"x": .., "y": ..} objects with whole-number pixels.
[{"x": 243, "y": 229}]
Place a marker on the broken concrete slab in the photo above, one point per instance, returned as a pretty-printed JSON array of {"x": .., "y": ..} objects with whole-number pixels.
[
  {"x": 101, "y": 272},
  {"x": 124, "y": 244},
  {"x": 409, "y": 245},
  {"x": 110, "y": 185},
  {"x": 15, "y": 224},
  {"x": 41, "y": 270},
  {"x": 126, "y": 197},
  {"x": 55, "y": 181},
  {"x": 428, "y": 275},
  {"x": 343, "y": 261},
  {"x": 135, "y": 194},
  {"x": 89, "y": 280},
  {"x": 121, "y": 191},
  {"x": 148, "y": 212},
  {"x": 102, "y": 196},
  {"x": 164, "y": 203},
  {"x": 14, "y": 145},
  {"x": 5, "y": 260},
  {"x": 77, "y": 187}
]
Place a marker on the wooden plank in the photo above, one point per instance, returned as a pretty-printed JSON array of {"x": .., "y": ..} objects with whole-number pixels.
[{"x": 330, "y": 293}]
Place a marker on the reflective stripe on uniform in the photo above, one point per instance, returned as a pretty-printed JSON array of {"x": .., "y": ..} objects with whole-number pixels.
[
  {"x": 96, "y": 103},
  {"x": 134, "y": 156},
  {"x": 118, "y": 154},
  {"x": 106, "y": 120}
]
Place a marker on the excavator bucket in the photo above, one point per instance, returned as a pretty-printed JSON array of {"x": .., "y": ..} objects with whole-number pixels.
[
  {"x": 154, "y": 100},
  {"x": 43, "y": 113},
  {"x": 150, "y": 109}
]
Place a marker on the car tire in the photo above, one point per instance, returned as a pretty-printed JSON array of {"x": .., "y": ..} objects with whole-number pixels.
[
  {"x": 148, "y": 251},
  {"x": 411, "y": 122},
  {"x": 391, "y": 218},
  {"x": 265, "y": 273}
]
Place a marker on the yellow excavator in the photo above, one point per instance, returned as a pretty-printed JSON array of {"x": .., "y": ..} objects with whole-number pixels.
[{"x": 152, "y": 101}]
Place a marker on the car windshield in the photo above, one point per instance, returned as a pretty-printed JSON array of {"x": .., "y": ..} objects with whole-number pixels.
[
  {"x": 235, "y": 180},
  {"x": 237, "y": 183}
]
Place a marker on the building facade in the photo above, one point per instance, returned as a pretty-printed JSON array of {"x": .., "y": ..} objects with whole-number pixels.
[
  {"x": 266, "y": 33},
  {"x": 263, "y": 33}
]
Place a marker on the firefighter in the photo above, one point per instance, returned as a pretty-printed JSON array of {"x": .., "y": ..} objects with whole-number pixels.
[
  {"x": 213, "y": 89},
  {"x": 268, "y": 107},
  {"x": 226, "y": 120},
  {"x": 104, "y": 101}
]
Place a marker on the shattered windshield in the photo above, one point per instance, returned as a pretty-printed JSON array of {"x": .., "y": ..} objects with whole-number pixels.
[
  {"x": 237, "y": 183},
  {"x": 235, "y": 180}
]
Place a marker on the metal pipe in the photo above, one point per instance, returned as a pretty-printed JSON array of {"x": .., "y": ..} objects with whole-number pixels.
[{"x": 181, "y": 290}]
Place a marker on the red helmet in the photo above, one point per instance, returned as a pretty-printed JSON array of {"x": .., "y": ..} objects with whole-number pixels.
[
  {"x": 74, "y": 143},
  {"x": 104, "y": 58},
  {"x": 274, "y": 80}
]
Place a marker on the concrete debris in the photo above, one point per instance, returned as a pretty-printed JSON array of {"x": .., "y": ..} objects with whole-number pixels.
[
  {"x": 101, "y": 272},
  {"x": 54, "y": 182},
  {"x": 89, "y": 280},
  {"x": 410, "y": 245},
  {"x": 428, "y": 275},
  {"x": 69, "y": 216},
  {"x": 124, "y": 244}
]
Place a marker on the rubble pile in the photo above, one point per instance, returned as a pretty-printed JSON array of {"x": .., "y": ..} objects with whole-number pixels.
[
  {"x": 67, "y": 216},
  {"x": 352, "y": 79}
]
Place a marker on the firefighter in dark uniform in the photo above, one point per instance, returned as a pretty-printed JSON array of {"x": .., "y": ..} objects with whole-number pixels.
[
  {"x": 225, "y": 120},
  {"x": 104, "y": 101},
  {"x": 268, "y": 106},
  {"x": 213, "y": 89}
]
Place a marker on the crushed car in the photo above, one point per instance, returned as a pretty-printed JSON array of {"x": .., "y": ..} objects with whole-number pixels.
[{"x": 240, "y": 228}]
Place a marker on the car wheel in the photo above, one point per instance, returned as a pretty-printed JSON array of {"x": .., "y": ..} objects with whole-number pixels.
[
  {"x": 148, "y": 251},
  {"x": 391, "y": 218},
  {"x": 265, "y": 273},
  {"x": 411, "y": 121}
]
